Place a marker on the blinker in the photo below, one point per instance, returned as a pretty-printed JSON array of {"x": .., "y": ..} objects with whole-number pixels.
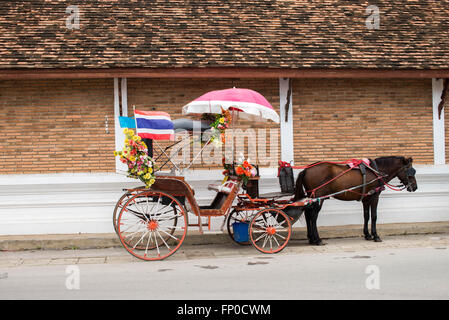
[{"x": 411, "y": 172}]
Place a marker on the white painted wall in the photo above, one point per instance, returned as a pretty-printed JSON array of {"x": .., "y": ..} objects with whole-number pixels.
[
  {"x": 438, "y": 124},
  {"x": 83, "y": 203},
  {"x": 287, "y": 151}
]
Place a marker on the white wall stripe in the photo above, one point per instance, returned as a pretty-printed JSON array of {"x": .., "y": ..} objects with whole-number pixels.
[
  {"x": 438, "y": 124},
  {"x": 124, "y": 97},
  {"x": 119, "y": 135},
  {"x": 287, "y": 149}
]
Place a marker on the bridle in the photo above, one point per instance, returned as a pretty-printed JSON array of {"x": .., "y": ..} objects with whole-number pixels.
[{"x": 409, "y": 172}]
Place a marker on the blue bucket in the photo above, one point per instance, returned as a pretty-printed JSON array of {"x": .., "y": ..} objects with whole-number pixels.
[{"x": 241, "y": 231}]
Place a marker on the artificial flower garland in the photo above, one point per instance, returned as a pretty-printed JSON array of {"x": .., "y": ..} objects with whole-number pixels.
[
  {"x": 135, "y": 156},
  {"x": 220, "y": 122}
]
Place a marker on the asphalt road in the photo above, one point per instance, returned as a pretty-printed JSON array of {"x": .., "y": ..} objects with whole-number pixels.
[{"x": 398, "y": 268}]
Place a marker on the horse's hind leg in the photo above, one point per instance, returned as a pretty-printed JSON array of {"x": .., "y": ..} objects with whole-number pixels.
[
  {"x": 366, "y": 207},
  {"x": 307, "y": 213},
  {"x": 374, "y": 203},
  {"x": 314, "y": 237}
]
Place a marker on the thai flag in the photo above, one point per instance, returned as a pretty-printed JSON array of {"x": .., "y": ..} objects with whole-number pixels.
[{"x": 155, "y": 125}]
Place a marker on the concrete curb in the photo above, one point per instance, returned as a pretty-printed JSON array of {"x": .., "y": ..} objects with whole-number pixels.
[{"x": 98, "y": 241}]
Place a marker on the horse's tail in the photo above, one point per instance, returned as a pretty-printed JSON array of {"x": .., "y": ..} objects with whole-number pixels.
[{"x": 299, "y": 189}]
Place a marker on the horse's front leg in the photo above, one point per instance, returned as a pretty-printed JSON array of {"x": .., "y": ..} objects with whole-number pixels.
[
  {"x": 366, "y": 207},
  {"x": 374, "y": 203}
]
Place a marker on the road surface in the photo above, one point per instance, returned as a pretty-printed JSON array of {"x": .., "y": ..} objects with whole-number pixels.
[{"x": 404, "y": 267}]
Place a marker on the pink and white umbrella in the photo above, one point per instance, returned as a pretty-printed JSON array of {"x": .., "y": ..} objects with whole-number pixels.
[{"x": 245, "y": 101}]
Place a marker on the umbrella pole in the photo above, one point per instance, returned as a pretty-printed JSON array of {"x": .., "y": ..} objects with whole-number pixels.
[{"x": 232, "y": 135}]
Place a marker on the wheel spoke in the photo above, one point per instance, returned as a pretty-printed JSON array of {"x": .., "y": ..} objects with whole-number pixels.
[
  {"x": 265, "y": 241},
  {"x": 260, "y": 225},
  {"x": 277, "y": 234},
  {"x": 138, "y": 224},
  {"x": 148, "y": 244},
  {"x": 168, "y": 247},
  {"x": 264, "y": 220},
  {"x": 263, "y": 235},
  {"x": 274, "y": 238},
  {"x": 280, "y": 224},
  {"x": 157, "y": 246},
  {"x": 140, "y": 239},
  {"x": 170, "y": 235},
  {"x": 134, "y": 232}
]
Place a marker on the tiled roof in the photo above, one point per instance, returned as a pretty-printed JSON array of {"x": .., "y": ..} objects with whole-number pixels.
[{"x": 412, "y": 34}]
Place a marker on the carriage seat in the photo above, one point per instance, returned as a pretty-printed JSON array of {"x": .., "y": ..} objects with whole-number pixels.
[
  {"x": 223, "y": 199},
  {"x": 190, "y": 125},
  {"x": 225, "y": 188}
]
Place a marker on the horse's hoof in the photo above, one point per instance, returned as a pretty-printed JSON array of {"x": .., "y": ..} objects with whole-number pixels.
[
  {"x": 369, "y": 237},
  {"x": 318, "y": 243},
  {"x": 377, "y": 239}
]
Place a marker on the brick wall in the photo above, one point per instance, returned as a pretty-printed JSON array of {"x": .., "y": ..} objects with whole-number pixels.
[
  {"x": 59, "y": 125},
  {"x": 341, "y": 119},
  {"x": 52, "y": 126}
]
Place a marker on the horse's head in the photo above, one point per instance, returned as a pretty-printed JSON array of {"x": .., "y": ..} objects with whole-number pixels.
[{"x": 406, "y": 174}]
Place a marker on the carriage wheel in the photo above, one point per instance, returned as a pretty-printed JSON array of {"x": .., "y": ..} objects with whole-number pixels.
[
  {"x": 152, "y": 225},
  {"x": 270, "y": 230},
  {"x": 141, "y": 199},
  {"x": 121, "y": 202},
  {"x": 118, "y": 206},
  {"x": 236, "y": 216}
]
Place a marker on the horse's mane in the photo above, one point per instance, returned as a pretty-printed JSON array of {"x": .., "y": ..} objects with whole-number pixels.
[{"x": 388, "y": 161}]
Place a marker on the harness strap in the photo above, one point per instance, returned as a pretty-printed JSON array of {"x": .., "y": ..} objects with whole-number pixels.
[
  {"x": 362, "y": 168},
  {"x": 356, "y": 163},
  {"x": 381, "y": 186},
  {"x": 327, "y": 182}
]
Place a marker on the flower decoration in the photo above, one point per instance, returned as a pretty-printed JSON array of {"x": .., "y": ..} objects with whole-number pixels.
[
  {"x": 135, "y": 156},
  {"x": 244, "y": 170},
  {"x": 220, "y": 122}
]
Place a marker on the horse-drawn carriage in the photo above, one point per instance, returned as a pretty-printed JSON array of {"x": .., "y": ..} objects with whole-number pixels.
[{"x": 152, "y": 221}]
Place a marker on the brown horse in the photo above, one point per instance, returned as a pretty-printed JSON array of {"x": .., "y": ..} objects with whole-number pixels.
[{"x": 324, "y": 179}]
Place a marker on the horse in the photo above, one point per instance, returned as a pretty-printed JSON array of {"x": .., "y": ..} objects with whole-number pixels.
[{"x": 325, "y": 179}]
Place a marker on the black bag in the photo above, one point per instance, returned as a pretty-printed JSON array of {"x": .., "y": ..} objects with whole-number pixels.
[{"x": 286, "y": 180}]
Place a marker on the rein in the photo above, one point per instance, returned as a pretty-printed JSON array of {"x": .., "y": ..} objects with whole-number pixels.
[
  {"x": 282, "y": 164},
  {"x": 355, "y": 162},
  {"x": 401, "y": 186}
]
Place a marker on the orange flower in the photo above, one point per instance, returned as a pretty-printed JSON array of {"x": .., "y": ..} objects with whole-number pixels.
[{"x": 239, "y": 170}]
